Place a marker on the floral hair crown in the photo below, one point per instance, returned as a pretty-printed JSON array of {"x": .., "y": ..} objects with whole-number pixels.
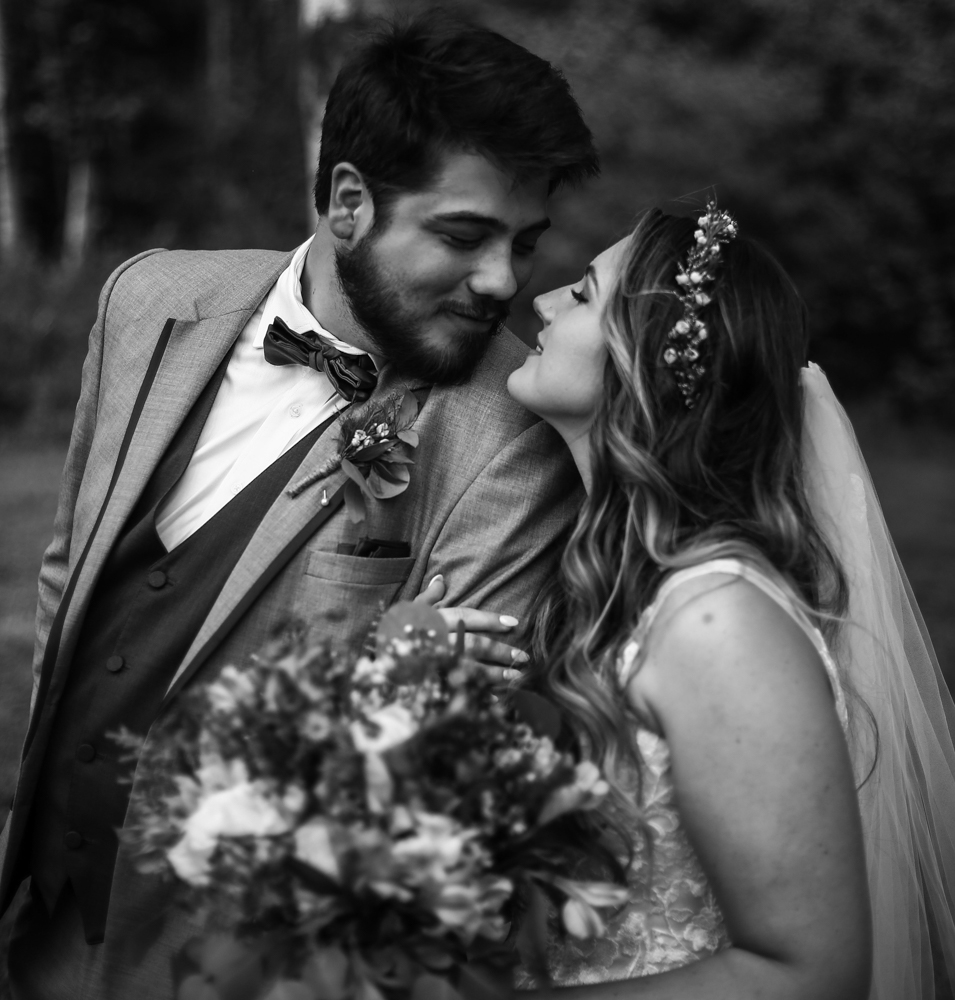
[{"x": 683, "y": 341}]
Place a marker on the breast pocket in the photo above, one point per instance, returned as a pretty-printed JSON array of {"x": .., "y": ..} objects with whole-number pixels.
[{"x": 342, "y": 596}]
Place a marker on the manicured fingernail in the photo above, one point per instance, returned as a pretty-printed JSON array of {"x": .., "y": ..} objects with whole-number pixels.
[
  {"x": 435, "y": 578},
  {"x": 509, "y": 620},
  {"x": 519, "y": 656},
  {"x": 510, "y": 675}
]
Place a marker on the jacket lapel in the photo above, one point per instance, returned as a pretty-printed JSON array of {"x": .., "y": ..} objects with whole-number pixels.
[
  {"x": 271, "y": 545},
  {"x": 196, "y": 345},
  {"x": 181, "y": 377}
]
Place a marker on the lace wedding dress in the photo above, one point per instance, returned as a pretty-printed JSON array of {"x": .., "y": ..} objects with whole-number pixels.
[{"x": 673, "y": 918}]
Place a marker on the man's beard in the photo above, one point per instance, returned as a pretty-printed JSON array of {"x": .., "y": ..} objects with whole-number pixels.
[{"x": 396, "y": 330}]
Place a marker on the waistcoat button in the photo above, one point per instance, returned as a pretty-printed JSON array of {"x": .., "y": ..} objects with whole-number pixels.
[
  {"x": 115, "y": 663},
  {"x": 85, "y": 753},
  {"x": 73, "y": 840},
  {"x": 156, "y": 579}
]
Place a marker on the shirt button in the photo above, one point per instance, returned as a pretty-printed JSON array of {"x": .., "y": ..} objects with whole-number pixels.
[
  {"x": 85, "y": 753},
  {"x": 115, "y": 663},
  {"x": 156, "y": 579},
  {"x": 73, "y": 840},
  {"x": 234, "y": 488},
  {"x": 295, "y": 410}
]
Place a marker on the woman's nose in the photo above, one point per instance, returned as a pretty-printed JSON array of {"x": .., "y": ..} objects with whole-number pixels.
[{"x": 544, "y": 307}]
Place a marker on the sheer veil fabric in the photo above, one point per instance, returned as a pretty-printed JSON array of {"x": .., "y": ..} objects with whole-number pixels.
[{"x": 887, "y": 661}]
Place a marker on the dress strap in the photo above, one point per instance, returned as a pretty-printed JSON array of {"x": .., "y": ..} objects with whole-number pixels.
[{"x": 630, "y": 658}]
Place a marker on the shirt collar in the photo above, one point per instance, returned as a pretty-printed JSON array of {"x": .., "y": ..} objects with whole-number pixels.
[{"x": 285, "y": 300}]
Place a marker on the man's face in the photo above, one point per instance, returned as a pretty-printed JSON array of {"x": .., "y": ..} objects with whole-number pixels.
[{"x": 433, "y": 285}]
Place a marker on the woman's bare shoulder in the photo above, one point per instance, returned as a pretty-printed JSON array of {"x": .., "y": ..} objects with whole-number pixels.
[{"x": 719, "y": 634}]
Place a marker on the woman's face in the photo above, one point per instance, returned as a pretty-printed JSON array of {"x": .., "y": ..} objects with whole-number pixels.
[{"x": 561, "y": 381}]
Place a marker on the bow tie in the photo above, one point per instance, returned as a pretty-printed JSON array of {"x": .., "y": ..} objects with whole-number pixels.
[{"x": 354, "y": 376}]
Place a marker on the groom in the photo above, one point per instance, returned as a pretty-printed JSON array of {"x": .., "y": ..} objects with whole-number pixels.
[{"x": 202, "y": 504}]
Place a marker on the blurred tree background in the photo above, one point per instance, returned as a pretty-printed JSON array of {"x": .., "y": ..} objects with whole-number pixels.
[{"x": 829, "y": 129}]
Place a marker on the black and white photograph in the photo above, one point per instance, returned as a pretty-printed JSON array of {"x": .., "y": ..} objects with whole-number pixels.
[{"x": 477, "y": 499}]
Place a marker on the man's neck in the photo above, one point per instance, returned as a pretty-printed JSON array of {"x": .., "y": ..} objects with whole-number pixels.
[{"x": 323, "y": 297}]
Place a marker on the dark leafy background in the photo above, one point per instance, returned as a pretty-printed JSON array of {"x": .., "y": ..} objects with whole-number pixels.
[{"x": 828, "y": 128}]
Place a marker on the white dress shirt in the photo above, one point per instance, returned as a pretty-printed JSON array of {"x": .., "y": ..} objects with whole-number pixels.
[{"x": 260, "y": 411}]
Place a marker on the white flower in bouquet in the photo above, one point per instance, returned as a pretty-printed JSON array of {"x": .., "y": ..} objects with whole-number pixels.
[
  {"x": 374, "y": 669},
  {"x": 230, "y": 689},
  {"x": 246, "y": 809},
  {"x": 580, "y": 920},
  {"x": 215, "y": 773},
  {"x": 474, "y": 908},
  {"x": 313, "y": 845},
  {"x": 389, "y": 727},
  {"x": 436, "y": 846},
  {"x": 579, "y": 912},
  {"x": 586, "y": 792}
]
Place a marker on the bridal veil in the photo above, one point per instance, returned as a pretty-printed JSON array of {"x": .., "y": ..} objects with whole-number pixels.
[{"x": 886, "y": 658}]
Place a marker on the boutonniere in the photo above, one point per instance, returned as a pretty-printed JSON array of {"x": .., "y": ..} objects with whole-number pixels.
[{"x": 374, "y": 446}]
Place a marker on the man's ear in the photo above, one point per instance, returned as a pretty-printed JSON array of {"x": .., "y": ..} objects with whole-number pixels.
[{"x": 351, "y": 211}]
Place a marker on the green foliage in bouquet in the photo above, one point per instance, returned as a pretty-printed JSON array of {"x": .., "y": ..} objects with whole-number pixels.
[{"x": 362, "y": 828}]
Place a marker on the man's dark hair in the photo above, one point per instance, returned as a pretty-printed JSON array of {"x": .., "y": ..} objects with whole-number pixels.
[{"x": 435, "y": 84}]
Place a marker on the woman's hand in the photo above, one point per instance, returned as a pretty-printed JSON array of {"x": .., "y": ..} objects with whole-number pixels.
[{"x": 497, "y": 657}]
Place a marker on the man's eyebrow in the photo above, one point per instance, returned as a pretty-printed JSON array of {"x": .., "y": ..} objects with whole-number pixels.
[{"x": 490, "y": 221}]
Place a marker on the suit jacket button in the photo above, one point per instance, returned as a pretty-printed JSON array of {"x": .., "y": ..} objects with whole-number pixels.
[
  {"x": 114, "y": 664},
  {"x": 156, "y": 579},
  {"x": 73, "y": 840},
  {"x": 85, "y": 753}
]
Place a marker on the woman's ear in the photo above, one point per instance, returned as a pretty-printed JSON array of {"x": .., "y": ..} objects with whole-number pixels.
[{"x": 351, "y": 210}]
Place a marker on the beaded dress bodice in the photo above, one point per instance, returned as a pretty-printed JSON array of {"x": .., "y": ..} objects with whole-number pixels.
[{"x": 673, "y": 917}]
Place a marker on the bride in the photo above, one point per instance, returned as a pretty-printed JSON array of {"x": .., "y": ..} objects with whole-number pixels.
[{"x": 733, "y": 639}]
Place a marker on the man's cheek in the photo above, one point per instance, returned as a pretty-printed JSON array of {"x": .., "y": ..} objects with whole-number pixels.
[{"x": 523, "y": 269}]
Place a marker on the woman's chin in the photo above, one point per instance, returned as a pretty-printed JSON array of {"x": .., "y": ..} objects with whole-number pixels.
[{"x": 518, "y": 384}]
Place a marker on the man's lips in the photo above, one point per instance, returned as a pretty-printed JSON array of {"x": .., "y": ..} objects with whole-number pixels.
[
  {"x": 477, "y": 316},
  {"x": 483, "y": 320}
]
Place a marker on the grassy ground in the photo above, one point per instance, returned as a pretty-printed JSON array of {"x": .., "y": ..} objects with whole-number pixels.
[
  {"x": 29, "y": 481},
  {"x": 914, "y": 471}
]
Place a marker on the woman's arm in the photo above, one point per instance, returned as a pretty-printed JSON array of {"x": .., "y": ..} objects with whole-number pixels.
[{"x": 766, "y": 794}]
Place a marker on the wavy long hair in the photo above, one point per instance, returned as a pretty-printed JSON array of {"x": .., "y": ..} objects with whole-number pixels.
[{"x": 674, "y": 486}]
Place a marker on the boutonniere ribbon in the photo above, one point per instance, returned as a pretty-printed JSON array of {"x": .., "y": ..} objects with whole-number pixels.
[{"x": 374, "y": 446}]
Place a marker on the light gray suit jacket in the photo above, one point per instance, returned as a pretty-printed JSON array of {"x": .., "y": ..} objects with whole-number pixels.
[{"x": 492, "y": 490}]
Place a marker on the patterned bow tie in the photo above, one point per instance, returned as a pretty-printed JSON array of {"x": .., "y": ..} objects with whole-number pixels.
[{"x": 353, "y": 375}]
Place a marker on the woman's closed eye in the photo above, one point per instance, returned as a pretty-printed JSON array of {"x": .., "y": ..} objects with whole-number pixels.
[{"x": 579, "y": 296}]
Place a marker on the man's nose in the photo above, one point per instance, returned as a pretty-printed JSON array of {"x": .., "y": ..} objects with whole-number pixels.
[{"x": 494, "y": 277}]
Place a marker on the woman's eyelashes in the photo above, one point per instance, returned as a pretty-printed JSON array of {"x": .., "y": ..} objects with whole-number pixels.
[{"x": 578, "y": 296}]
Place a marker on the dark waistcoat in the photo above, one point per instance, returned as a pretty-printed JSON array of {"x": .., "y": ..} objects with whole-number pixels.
[{"x": 146, "y": 609}]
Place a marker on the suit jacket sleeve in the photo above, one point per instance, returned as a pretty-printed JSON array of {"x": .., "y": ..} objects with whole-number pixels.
[
  {"x": 54, "y": 569},
  {"x": 504, "y": 537}
]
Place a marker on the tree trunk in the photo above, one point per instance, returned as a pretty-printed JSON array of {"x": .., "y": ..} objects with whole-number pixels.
[
  {"x": 312, "y": 14},
  {"x": 9, "y": 222},
  {"x": 77, "y": 214},
  {"x": 312, "y": 105},
  {"x": 219, "y": 64}
]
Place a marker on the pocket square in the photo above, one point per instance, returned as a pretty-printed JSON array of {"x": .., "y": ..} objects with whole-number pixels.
[{"x": 375, "y": 548}]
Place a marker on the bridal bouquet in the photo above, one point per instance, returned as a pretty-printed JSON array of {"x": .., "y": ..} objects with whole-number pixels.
[{"x": 361, "y": 828}]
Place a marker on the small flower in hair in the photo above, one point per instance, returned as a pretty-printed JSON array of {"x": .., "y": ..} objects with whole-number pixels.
[{"x": 682, "y": 353}]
